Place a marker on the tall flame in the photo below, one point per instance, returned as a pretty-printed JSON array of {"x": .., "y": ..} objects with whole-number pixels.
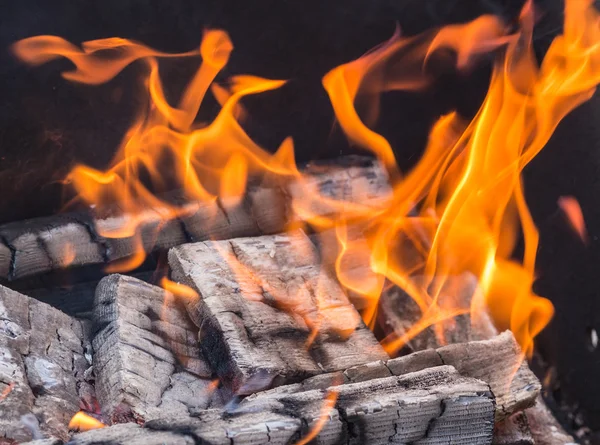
[{"x": 459, "y": 212}]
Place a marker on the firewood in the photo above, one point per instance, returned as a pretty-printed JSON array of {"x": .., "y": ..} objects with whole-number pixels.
[
  {"x": 48, "y": 244},
  {"x": 545, "y": 429},
  {"x": 513, "y": 431},
  {"x": 497, "y": 361},
  {"x": 431, "y": 407},
  {"x": 146, "y": 356},
  {"x": 261, "y": 300},
  {"x": 42, "y": 365}
]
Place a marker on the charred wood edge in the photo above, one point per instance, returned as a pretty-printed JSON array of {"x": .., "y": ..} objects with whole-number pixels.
[
  {"x": 33, "y": 247},
  {"x": 437, "y": 404}
]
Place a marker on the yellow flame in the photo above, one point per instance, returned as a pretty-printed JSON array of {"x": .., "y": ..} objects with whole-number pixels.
[{"x": 84, "y": 422}]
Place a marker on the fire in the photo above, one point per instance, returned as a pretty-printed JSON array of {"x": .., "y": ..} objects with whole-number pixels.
[
  {"x": 328, "y": 406},
  {"x": 460, "y": 211},
  {"x": 84, "y": 422}
]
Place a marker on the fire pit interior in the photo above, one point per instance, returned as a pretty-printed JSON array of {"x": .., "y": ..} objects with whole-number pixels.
[{"x": 293, "y": 223}]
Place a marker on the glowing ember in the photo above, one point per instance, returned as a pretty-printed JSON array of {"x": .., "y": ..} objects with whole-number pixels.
[
  {"x": 573, "y": 212},
  {"x": 460, "y": 210},
  {"x": 84, "y": 422}
]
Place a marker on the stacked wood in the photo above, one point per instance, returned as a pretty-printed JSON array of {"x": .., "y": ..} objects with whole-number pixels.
[
  {"x": 268, "y": 313},
  {"x": 437, "y": 406},
  {"x": 146, "y": 356},
  {"x": 48, "y": 244},
  {"x": 42, "y": 366}
]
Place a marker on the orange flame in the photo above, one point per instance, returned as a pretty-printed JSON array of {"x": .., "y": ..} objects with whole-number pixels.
[
  {"x": 179, "y": 290},
  {"x": 461, "y": 210},
  {"x": 328, "y": 406},
  {"x": 84, "y": 422}
]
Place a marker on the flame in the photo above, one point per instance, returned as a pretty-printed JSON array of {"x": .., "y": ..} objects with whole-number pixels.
[
  {"x": 460, "y": 211},
  {"x": 328, "y": 406},
  {"x": 179, "y": 289},
  {"x": 570, "y": 206},
  {"x": 84, "y": 422}
]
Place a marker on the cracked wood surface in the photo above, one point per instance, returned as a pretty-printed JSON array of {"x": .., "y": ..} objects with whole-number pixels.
[
  {"x": 430, "y": 407},
  {"x": 146, "y": 356},
  {"x": 48, "y": 244},
  {"x": 42, "y": 367},
  {"x": 268, "y": 314}
]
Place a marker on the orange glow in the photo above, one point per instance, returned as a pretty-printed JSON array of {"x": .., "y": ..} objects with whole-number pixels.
[
  {"x": 570, "y": 206},
  {"x": 460, "y": 211},
  {"x": 84, "y": 422},
  {"x": 328, "y": 406},
  {"x": 4, "y": 394}
]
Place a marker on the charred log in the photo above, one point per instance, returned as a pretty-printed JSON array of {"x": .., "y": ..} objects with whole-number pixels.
[
  {"x": 146, "y": 356},
  {"x": 42, "y": 366},
  {"x": 48, "y": 244},
  {"x": 268, "y": 314}
]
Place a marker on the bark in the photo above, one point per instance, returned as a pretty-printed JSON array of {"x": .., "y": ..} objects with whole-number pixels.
[
  {"x": 42, "y": 368},
  {"x": 146, "y": 356},
  {"x": 49, "y": 244},
  {"x": 262, "y": 300}
]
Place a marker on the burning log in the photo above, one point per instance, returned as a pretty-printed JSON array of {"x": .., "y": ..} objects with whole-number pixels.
[
  {"x": 438, "y": 406},
  {"x": 47, "y": 244},
  {"x": 268, "y": 314},
  {"x": 42, "y": 367},
  {"x": 146, "y": 356}
]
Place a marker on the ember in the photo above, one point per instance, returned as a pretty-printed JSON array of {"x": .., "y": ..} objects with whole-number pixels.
[{"x": 261, "y": 337}]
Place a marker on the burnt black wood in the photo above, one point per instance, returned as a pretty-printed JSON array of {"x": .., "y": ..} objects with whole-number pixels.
[{"x": 47, "y": 124}]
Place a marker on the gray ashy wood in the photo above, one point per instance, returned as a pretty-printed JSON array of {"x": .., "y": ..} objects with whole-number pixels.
[
  {"x": 260, "y": 300},
  {"x": 438, "y": 406},
  {"x": 42, "y": 366},
  {"x": 42, "y": 245},
  {"x": 146, "y": 356}
]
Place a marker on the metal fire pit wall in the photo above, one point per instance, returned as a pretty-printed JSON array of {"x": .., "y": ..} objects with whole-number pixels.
[{"x": 47, "y": 124}]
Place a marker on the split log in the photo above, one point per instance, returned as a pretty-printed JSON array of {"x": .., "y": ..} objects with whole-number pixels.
[
  {"x": 268, "y": 313},
  {"x": 42, "y": 366},
  {"x": 48, "y": 244},
  {"x": 146, "y": 356},
  {"x": 493, "y": 361},
  {"x": 438, "y": 406}
]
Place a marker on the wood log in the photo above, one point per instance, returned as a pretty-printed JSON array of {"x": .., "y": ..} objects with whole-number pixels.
[
  {"x": 493, "y": 361},
  {"x": 146, "y": 356},
  {"x": 431, "y": 407},
  {"x": 42, "y": 368},
  {"x": 499, "y": 362},
  {"x": 545, "y": 429},
  {"x": 49, "y": 244},
  {"x": 513, "y": 431},
  {"x": 268, "y": 314}
]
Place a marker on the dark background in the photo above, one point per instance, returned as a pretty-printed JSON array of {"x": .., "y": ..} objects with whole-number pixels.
[{"x": 48, "y": 124}]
